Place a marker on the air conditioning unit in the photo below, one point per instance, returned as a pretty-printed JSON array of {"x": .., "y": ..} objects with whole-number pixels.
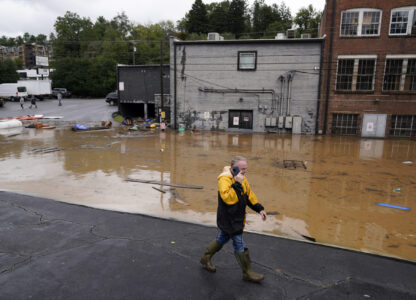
[
  {"x": 215, "y": 36},
  {"x": 305, "y": 36},
  {"x": 280, "y": 36},
  {"x": 291, "y": 33}
]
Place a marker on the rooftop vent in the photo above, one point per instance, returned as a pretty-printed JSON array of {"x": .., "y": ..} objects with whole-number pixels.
[
  {"x": 215, "y": 36},
  {"x": 291, "y": 33},
  {"x": 305, "y": 36}
]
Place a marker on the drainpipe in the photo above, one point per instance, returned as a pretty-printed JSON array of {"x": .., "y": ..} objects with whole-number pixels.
[
  {"x": 328, "y": 74},
  {"x": 282, "y": 83},
  {"x": 174, "y": 85},
  {"x": 289, "y": 92},
  {"x": 319, "y": 87}
]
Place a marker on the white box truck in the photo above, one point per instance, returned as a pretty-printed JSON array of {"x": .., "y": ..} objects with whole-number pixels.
[
  {"x": 12, "y": 91},
  {"x": 39, "y": 88}
]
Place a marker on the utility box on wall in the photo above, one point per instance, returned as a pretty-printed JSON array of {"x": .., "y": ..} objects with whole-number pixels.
[
  {"x": 297, "y": 125},
  {"x": 280, "y": 121},
  {"x": 288, "y": 122}
]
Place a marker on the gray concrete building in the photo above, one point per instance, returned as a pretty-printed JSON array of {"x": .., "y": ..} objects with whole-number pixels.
[{"x": 246, "y": 85}]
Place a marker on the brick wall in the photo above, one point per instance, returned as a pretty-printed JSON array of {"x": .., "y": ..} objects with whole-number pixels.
[{"x": 377, "y": 101}]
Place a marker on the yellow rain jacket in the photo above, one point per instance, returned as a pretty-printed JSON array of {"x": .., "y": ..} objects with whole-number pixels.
[{"x": 233, "y": 198}]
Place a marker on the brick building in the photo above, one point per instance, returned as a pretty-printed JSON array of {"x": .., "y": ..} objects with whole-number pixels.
[{"x": 368, "y": 85}]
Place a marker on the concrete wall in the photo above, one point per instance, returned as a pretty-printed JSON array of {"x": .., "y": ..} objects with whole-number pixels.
[{"x": 202, "y": 67}]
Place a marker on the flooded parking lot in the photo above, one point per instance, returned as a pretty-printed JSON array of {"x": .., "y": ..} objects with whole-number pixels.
[{"x": 323, "y": 188}]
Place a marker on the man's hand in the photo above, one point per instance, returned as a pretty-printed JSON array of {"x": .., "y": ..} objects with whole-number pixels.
[
  {"x": 239, "y": 178},
  {"x": 263, "y": 215}
]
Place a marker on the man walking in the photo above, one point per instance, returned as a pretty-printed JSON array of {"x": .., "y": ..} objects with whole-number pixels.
[
  {"x": 234, "y": 194},
  {"x": 33, "y": 101},
  {"x": 59, "y": 96},
  {"x": 22, "y": 101}
]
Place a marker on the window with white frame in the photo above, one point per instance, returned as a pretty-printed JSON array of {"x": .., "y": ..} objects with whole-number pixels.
[
  {"x": 356, "y": 73},
  {"x": 247, "y": 60},
  {"x": 400, "y": 73},
  {"x": 403, "y": 21},
  {"x": 361, "y": 22}
]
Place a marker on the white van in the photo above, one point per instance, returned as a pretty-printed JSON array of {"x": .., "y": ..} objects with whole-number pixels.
[{"x": 12, "y": 91}]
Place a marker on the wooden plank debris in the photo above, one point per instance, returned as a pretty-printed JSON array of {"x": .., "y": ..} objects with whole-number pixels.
[{"x": 185, "y": 186}]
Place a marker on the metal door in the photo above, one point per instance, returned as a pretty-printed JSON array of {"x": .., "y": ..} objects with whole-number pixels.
[
  {"x": 242, "y": 119},
  {"x": 374, "y": 125}
]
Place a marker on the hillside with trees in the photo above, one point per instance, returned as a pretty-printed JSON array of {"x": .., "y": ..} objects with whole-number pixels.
[{"x": 86, "y": 53}]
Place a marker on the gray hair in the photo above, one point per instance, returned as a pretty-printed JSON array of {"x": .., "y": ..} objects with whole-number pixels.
[{"x": 236, "y": 159}]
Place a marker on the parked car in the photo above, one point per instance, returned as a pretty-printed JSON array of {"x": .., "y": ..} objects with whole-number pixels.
[
  {"x": 112, "y": 98},
  {"x": 64, "y": 92}
]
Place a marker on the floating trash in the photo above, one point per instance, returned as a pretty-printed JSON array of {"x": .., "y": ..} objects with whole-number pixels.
[{"x": 393, "y": 206}]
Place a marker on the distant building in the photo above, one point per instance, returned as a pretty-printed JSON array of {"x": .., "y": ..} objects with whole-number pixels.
[
  {"x": 245, "y": 85},
  {"x": 369, "y": 71},
  {"x": 28, "y": 54},
  {"x": 139, "y": 90}
]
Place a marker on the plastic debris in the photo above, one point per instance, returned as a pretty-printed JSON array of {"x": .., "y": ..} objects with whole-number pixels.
[
  {"x": 407, "y": 162},
  {"x": 172, "y": 242},
  {"x": 397, "y": 190},
  {"x": 80, "y": 127},
  {"x": 393, "y": 206}
]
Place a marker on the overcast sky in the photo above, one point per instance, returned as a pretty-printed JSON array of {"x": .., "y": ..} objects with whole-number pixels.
[{"x": 39, "y": 16}]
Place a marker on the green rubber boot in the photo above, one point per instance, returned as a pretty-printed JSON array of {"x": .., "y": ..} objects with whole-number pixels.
[
  {"x": 212, "y": 248},
  {"x": 245, "y": 264}
]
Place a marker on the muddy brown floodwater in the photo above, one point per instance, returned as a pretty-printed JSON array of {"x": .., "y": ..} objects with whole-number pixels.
[{"x": 333, "y": 200}]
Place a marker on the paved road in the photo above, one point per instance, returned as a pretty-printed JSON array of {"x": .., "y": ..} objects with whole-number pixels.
[
  {"x": 54, "y": 250},
  {"x": 82, "y": 110}
]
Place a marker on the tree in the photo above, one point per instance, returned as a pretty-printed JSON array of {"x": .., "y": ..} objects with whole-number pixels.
[
  {"x": 69, "y": 30},
  {"x": 262, "y": 16},
  {"x": 218, "y": 17},
  {"x": 307, "y": 20},
  {"x": 238, "y": 17},
  {"x": 8, "y": 70},
  {"x": 283, "y": 20},
  {"x": 197, "y": 20}
]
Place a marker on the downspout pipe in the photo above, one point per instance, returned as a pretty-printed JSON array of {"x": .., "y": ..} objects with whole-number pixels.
[
  {"x": 319, "y": 88},
  {"x": 289, "y": 92},
  {"x": 328, "y": 74},
  {"x": 282, "y": 83},
  {"x": 175, "y": 125}
]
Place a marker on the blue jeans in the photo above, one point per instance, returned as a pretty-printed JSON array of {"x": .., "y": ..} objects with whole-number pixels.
[{"x": 238, "y": 242}]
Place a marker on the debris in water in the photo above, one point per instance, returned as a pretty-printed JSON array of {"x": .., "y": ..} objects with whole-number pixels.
[
  {"x": 44, "y": 149},
  {"x": 397, "y": 190},
  {"x": 277, "y": 271},
  {"x": 407, "y": 162},
  {"x": 393, "y": 206},
  {"x": 273, "y": 213},
  {"x": 160, "y": 190},
  {"x": 175, "y": 195},
  {"x": 172, "y": 242},
  {"x": 185, "y": 186}
]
